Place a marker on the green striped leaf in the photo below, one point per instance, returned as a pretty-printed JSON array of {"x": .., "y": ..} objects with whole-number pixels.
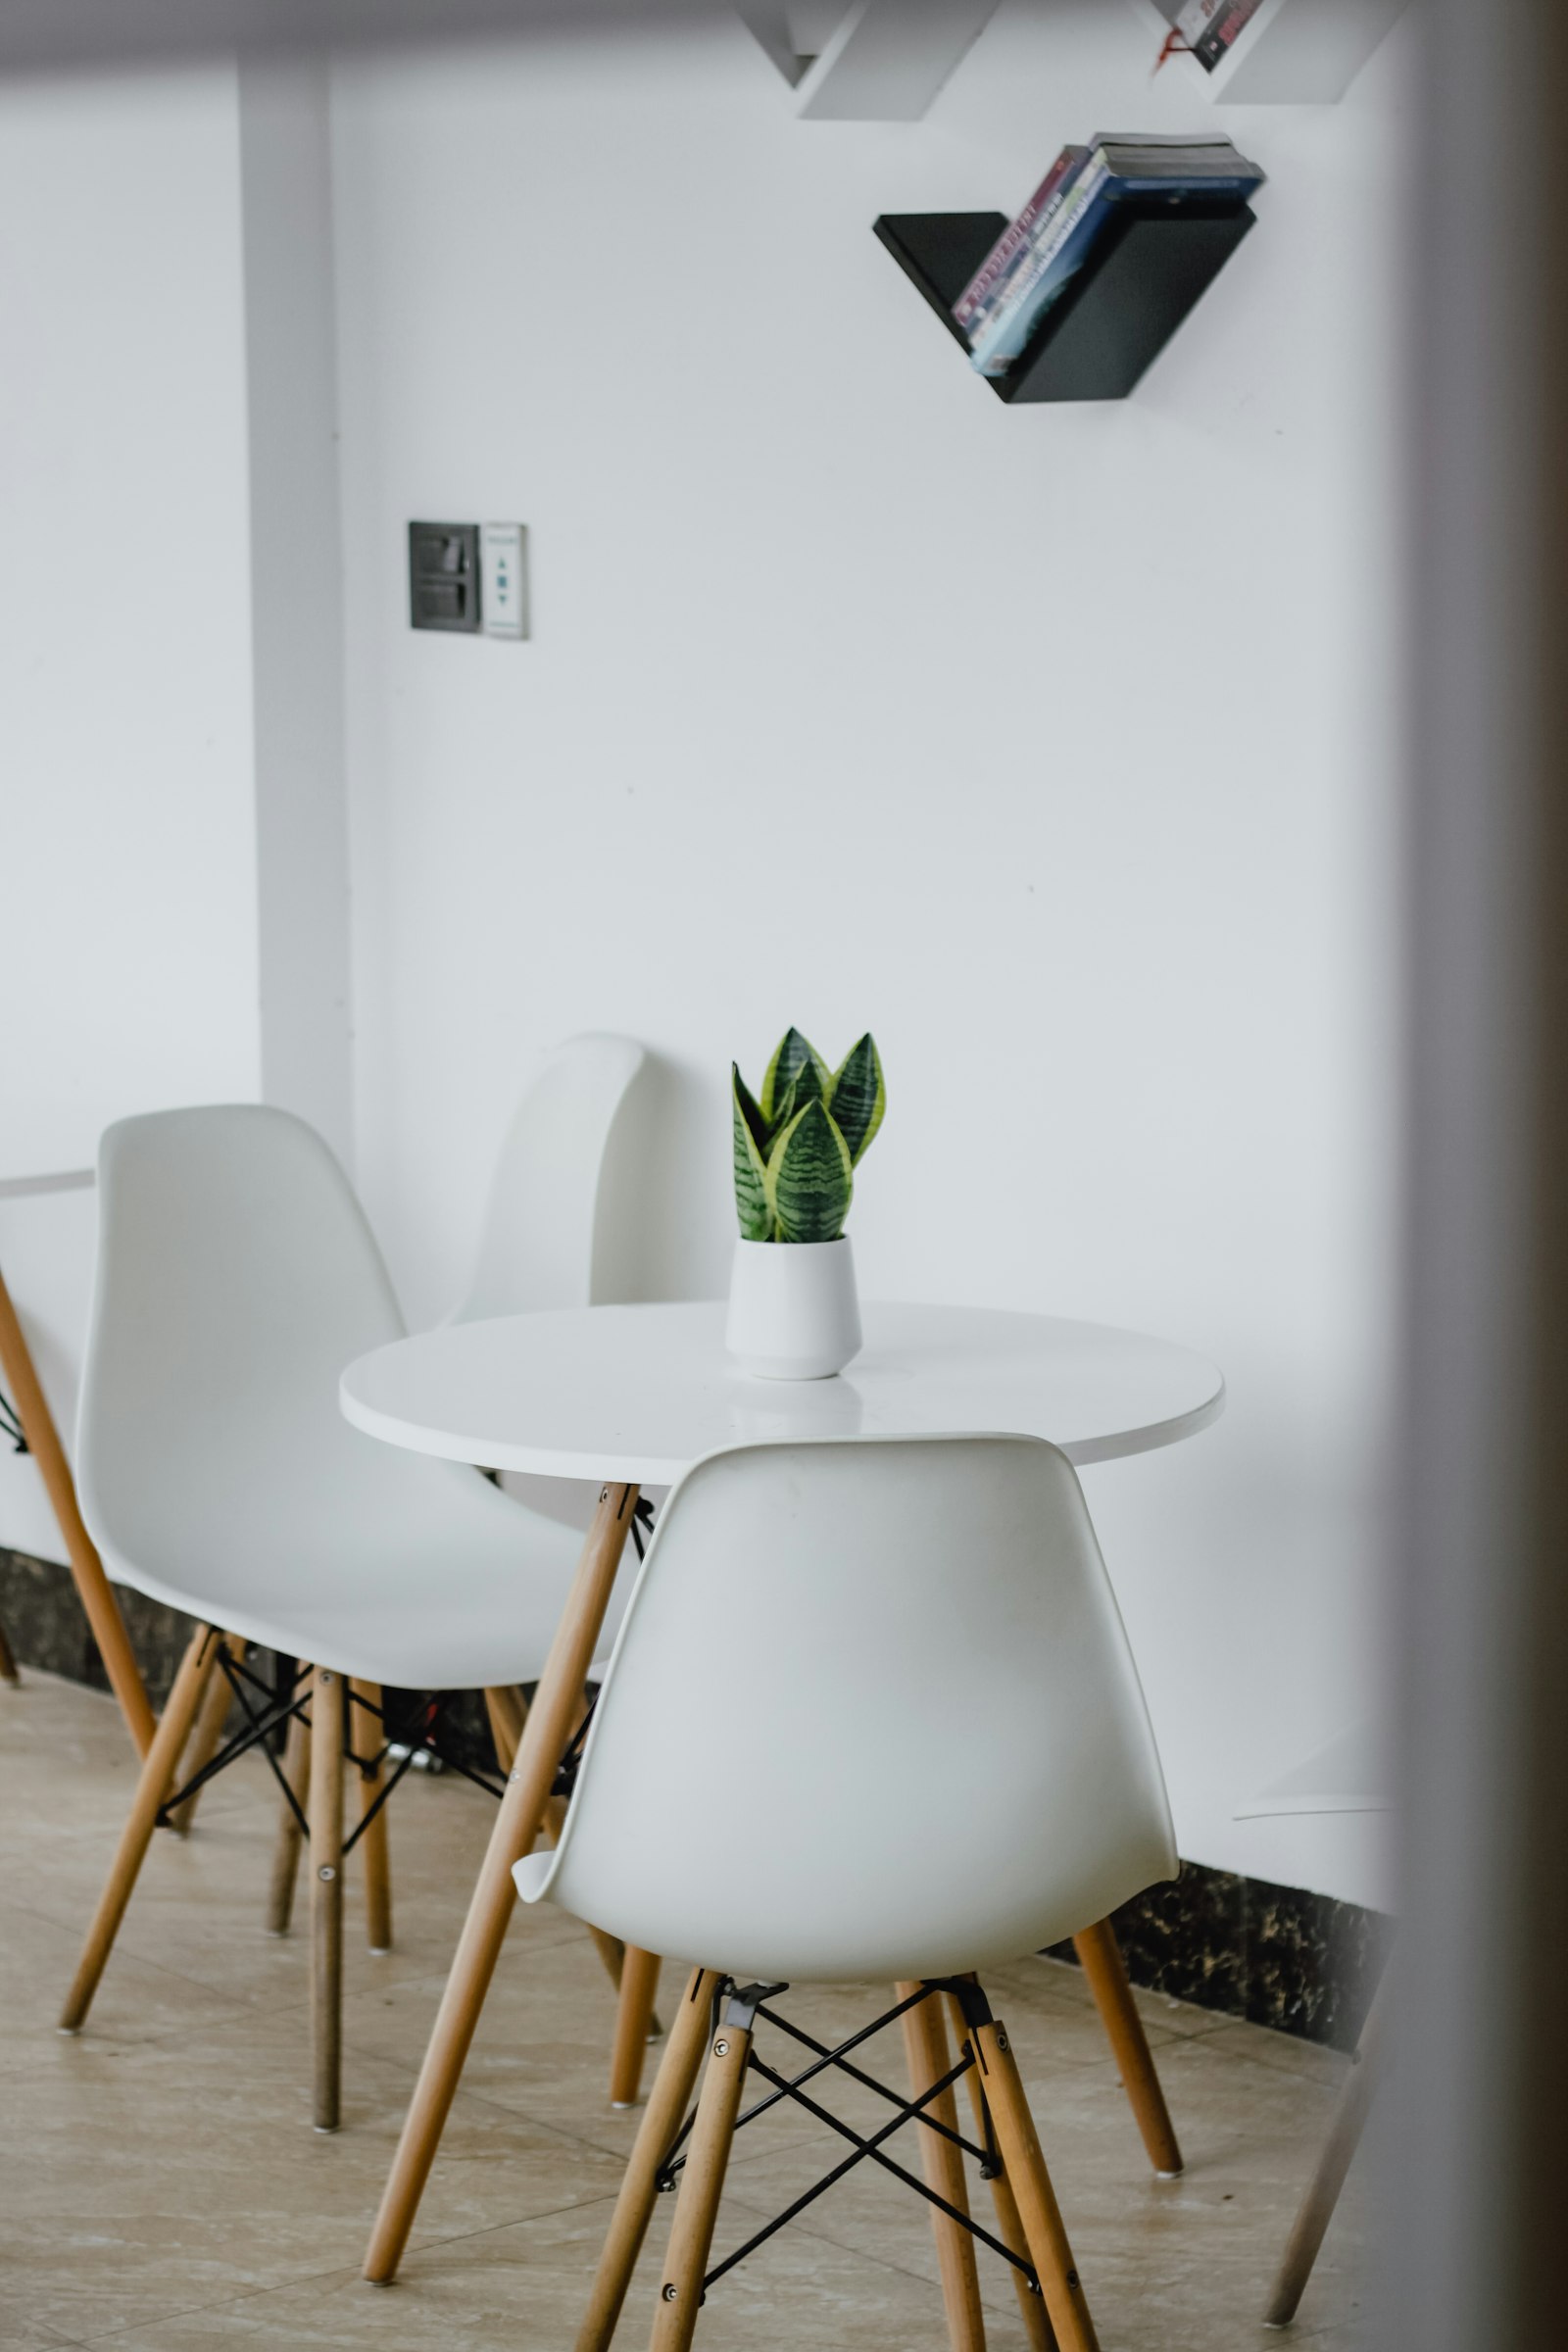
[
  {"x": 858, "y": 1097},
  {"x": 809, "y": 1177},
  {"x": 795, "y": 1063},
  {"x": 751, "y": 1176},
  {"x": 750, "y": 1109},
  {"x": 772, "y": 1128}
]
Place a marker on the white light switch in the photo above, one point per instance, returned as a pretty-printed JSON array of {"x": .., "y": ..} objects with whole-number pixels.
[{"x": 504, "y": 605}]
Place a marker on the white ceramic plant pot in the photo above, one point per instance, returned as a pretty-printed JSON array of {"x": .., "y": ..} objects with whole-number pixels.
[{"x": 792, "y": 1309}]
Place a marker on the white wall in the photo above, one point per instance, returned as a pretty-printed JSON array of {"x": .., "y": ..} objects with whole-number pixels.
[
  {"x": 1057, "y": 745},
  {"x": 127, "y": 868},
  {"x": 173, "y": 886},
  {"x": 127, "y": 865},
  {"x": 301, "y": 848}
]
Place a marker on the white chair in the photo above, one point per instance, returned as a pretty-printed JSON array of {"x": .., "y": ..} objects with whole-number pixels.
[
  {"x": 913, "y": 1645},
  {"x": 543, "y": 1241},
  {"x": 236, "y": 1276},
  {"x": 537, "y": 1243},
  {"x": 537, "y": 1249}
]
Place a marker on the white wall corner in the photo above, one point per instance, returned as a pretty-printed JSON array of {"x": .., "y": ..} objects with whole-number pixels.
[{"x": 297, "y": 595}]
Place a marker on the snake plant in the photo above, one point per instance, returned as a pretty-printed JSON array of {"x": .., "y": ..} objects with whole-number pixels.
[{"x": 798, "y": 1141}]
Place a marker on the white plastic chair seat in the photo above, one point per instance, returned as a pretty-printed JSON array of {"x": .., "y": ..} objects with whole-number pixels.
[
  {"x": 433, "y": 1582},
  {"x": 924, "y": 1747},
  {"x": 236, "y": 1277}
]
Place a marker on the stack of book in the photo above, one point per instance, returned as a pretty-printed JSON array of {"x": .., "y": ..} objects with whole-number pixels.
[
  {"x": 1038, "y": 256},
  {"x": 1209, "y": 27}
]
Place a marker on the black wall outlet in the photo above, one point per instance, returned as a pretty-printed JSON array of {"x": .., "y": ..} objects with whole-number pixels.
[{"x": 444, "y": 575}]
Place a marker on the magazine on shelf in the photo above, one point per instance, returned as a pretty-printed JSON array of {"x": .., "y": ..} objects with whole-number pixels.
[
  {"x": 1119, "y": 167},
  {"x": 1210, "y": 26},
  {"x": 985, "y": 288}
]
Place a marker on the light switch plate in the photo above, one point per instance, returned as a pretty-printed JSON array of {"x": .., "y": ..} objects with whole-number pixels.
[{"x": 502, "y": 550}]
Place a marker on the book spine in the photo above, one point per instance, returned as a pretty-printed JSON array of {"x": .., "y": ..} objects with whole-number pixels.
[
  {"x": 1012, "y": 330},
  {"x": 1009, "y": 247},
  {"x": 1223, "y": 30},
  {"x": 1000, "y": 290},
  {"x": 999, "y": 340},
  {"x": 1196, "y": 18}
]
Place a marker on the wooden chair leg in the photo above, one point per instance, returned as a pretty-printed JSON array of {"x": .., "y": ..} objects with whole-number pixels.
[
  {"x": 702, "y": 2183},
  {"x": 662, "y": 2118},
  {"x": 206, "y": 1733},
  {"x": 326, "y": 1897},
  {"x": 86, "y": 1568},
  {"x": 8, "y": 1661},
  {"x": 1323, "y": 2190},
  {"x": 634, "y": 2019},
  {"x": 505, "y": 1709},
  {"x": 1038, "y": 2210},
  {"x": 365, "y": 1739},
  {"x": 1099, "y": 1955},
  {"x": 1010, "y": 2229},
  {"x": 286, "y": 1851},
  {"x": 517, "y": 1825},
  {"x": 156, "y": 1780},
  {"x": 926, "y": 2051}
]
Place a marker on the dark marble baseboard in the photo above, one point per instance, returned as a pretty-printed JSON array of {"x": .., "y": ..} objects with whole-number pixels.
[
  {"x": 48, "y": 1628},
  {"x": 1304, "y": 1964},
  {"x": 1277, "y": 1956}
]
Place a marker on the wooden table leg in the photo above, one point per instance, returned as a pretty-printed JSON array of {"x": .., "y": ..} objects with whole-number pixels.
[
  {"x": 517, "y": 1825},
  {"x": 1323, "y": 2190},
  {"x": 508, "y": 1710},
  {"x": 87, "y": 1569},
  {"x": 925, "y": 2047},
  {"x": 8, "y": 1661},
  {"x": 1101, "y": 1957}
]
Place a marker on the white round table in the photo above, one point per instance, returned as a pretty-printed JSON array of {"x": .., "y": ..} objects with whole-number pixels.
[
  {"x": 639, "y": 1393},
  {"x": 632, "y": 1396}
]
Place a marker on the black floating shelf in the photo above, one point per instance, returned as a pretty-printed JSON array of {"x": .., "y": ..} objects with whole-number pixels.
[{"x": 1147, "y": 270}]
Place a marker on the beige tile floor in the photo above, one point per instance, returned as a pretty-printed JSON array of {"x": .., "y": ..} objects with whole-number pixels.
[{"x": 161, "y": 2191}]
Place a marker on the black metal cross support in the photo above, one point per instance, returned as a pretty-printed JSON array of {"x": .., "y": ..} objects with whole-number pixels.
[
  {"x": 279, "y": 1708},
  {"x": 257, "y": 1728},
  {"x": 859, "y": 2074},
  {"x": 746, "y": 2004},
  {"x": 11, "y": 1427},
  {"x": 565, "y": 1780}
]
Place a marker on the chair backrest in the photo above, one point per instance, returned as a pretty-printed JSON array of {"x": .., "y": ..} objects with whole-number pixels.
[
  {"x": 872, "y": 1712},
  {"x": 536, "y": 1248},
  {"x": 235, "y": 1278}
]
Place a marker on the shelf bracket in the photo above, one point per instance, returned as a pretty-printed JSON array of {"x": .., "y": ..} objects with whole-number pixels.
[{"x": 884, "y": 62}]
